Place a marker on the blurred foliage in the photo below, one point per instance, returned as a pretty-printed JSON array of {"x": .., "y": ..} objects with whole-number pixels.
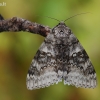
[{"x": 18, "y": 48}]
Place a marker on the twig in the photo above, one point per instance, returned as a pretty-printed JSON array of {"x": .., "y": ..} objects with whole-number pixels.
[{"x": 16, "y": 24}]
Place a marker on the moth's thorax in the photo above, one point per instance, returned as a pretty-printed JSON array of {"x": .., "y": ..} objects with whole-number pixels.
[{"x": 61, "y": 30}]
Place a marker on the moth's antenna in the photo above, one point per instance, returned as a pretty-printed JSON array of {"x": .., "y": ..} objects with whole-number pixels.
[
  {"x": 51, "y": 18},
  {"x": 75, "y": 15}
]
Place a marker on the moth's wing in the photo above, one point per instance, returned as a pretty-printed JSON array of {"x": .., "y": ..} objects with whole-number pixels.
[
  {"x": 79, "y": 71},
  {"x": 42, "y": 72}
]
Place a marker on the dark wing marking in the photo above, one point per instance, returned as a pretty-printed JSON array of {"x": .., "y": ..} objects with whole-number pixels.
[{"x": 79, "y": 71}]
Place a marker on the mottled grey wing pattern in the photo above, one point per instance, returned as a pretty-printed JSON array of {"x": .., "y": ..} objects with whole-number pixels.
[
  {"x": 42, "y": 71},
  {"x": 61, "y": 56},
  {"x": 79, "y": 69}
]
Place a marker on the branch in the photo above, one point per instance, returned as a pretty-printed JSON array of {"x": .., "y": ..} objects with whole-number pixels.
[{"x": 16, "y": 24}]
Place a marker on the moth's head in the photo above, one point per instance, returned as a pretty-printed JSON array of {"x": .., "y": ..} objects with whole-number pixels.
[{"x": 61, "y": 30}]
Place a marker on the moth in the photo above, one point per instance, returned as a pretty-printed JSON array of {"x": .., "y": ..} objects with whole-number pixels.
[{"x": 61, "y": 57}]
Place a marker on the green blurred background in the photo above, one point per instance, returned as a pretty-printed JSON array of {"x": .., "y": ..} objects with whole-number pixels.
[{"x": 18, "y": 48}]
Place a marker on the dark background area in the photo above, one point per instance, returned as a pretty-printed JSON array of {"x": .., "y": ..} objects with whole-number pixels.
[{"x": 18, "y": 48}]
